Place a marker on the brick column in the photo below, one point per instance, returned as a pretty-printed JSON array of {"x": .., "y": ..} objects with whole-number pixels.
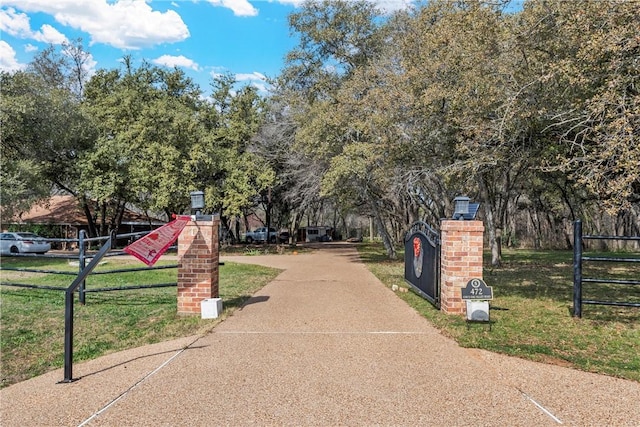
[
  {"x": 198, "y": 259},
  {"x": 461, "y": 260}
]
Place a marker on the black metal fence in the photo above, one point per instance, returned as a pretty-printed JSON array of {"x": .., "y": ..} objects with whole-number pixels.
[
  {"x": 79, "y": 283},
  {"x": 578, "y": 261}
]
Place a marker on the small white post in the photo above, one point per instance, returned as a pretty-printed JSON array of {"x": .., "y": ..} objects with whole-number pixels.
[{"x": 211, "y": 308}]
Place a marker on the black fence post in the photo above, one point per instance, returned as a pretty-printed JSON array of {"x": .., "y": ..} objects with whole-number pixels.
[
  {"x": 577, "y": 268},
  {"x": 68, "y": 312},
  {"x": 82, "y": 263},
  {"x": 68, "y": 337}
]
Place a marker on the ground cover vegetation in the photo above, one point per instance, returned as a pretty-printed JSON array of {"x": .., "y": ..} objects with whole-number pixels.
[
  {"x": 531, "y": 311},
  {"x": 534, "y": 113},
  {"x": 32, "y": 320}
]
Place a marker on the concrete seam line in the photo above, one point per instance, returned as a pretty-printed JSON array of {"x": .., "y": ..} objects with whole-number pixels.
[
  {"x": 322, "y": 333},
  {"x": 124, "y": 393},
  {"x": 542, "y": 408}
]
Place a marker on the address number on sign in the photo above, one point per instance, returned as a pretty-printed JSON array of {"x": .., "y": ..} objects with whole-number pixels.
[{"x": 477, "y": 289}]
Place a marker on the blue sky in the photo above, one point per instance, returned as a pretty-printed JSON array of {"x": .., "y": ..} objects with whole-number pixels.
[{"x": 246, "y": 38}]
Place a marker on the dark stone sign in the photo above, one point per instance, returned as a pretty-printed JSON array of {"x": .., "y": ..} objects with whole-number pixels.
[
  {"x": 476, "y": 289},
  {"x": 422, "y": 262}
]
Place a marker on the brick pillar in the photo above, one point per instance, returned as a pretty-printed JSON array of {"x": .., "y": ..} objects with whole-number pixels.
[
  {"x": 198, "y": 259},
  {"x": 461, "y": 260}
]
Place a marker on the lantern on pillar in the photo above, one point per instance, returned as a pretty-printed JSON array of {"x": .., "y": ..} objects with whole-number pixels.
[
  {"x": 461, "y": 207},
  {"x": 197, "y": 202}
]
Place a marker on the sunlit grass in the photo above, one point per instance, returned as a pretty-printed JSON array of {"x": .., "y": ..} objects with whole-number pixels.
[
  {"x": 32, "y": 320},
  {"x": 531, "y": 312}
]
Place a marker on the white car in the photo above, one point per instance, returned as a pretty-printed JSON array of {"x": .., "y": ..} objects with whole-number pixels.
[{"x": 19, "y": 243}]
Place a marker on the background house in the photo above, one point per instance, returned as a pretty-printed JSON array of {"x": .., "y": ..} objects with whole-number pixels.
[{"x": 61, "y": 216}]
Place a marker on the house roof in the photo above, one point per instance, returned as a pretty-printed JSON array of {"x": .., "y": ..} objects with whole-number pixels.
[{"x": 65, "y": 210}]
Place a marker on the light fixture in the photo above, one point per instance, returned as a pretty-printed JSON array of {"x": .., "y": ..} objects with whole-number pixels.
[
  {"x": 197, "y": 201},
  {"x": 461, "y": 208}
]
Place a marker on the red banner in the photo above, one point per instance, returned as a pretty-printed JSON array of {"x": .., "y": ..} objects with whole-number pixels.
[{"x": 149, "y": 248}]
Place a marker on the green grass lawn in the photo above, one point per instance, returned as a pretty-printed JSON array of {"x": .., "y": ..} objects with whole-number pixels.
[
  {"x": 32, "y": 320},
  {"x": 531, "y": 311}
]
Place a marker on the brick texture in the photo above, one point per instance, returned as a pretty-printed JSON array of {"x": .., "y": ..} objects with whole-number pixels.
[
  {"x": 198, "y": 259},
  {"x": 461, "y": 260}
]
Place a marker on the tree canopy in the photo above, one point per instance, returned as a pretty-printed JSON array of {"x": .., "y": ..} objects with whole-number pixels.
[
  {"x": 531, "y": 113},
  {"x": 534, "y": 114},
  {"x": 136, "y": 136}
]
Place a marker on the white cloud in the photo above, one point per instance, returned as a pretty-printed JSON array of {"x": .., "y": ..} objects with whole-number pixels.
[
  {"x": 390, "y": 6},
  {"x": 89, "y": 65},
  {"x": 14, "y": 23},
  {"x": 176, "y": 61},
  {"x": 250, "y": 77},
  {"x": 218, "y": 71},
  {"x": 239, "y": 7},
  {"x": 18, "y": 25},
  {"x": 263, "y": 88},
  {"x": 126, "y": 24},
  {"x": 295, "y": 3},
  {"x": 48, "y": 34},
  {"x": 8, "y": 61},
  {"x": 255, "y": 79}
]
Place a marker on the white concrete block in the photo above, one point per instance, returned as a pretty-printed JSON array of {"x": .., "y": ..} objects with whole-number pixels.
[
  {"x": 211, "y": 308},
  {"x": 478, "y": 311}
]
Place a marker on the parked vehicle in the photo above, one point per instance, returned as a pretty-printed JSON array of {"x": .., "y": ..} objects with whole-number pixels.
[
  {"x": 18, "y": 243},
  {"x": 260, "y": 235},
  {"x": 283, "y": 236},
  {"x": 317, "y": 233}
]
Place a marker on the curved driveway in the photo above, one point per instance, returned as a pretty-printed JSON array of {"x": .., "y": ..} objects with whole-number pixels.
[{"x": 324, "y": 344}]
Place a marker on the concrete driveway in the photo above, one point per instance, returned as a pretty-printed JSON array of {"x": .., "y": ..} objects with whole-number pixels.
[{"x": 324, "y": 344}]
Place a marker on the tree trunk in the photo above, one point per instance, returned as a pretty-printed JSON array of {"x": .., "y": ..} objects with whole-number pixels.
[
  {"x": 371, "y": 229},
  {"x": 118, "y": 219},
  {"x": 496, "y": 255},
  {"x": 293, "y": 229},
  {"x": 93, "y": 232},
  {"x": 490, "y": 224},
  {"x": 268, "y": 221},
  {"x": 237, "y": 234},
  {"x": 386, "y": 238},
  {"x": 246, "y": 222},
  {"x": 103, "y": 219}
]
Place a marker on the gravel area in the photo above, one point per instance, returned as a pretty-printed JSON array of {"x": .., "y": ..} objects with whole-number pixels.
[{"x": 324, "y": 344}]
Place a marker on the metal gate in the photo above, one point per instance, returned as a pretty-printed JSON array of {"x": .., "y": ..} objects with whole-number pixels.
[
  {"x": 422, "y": 261},
  {"x": 578, "y": 280}
]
